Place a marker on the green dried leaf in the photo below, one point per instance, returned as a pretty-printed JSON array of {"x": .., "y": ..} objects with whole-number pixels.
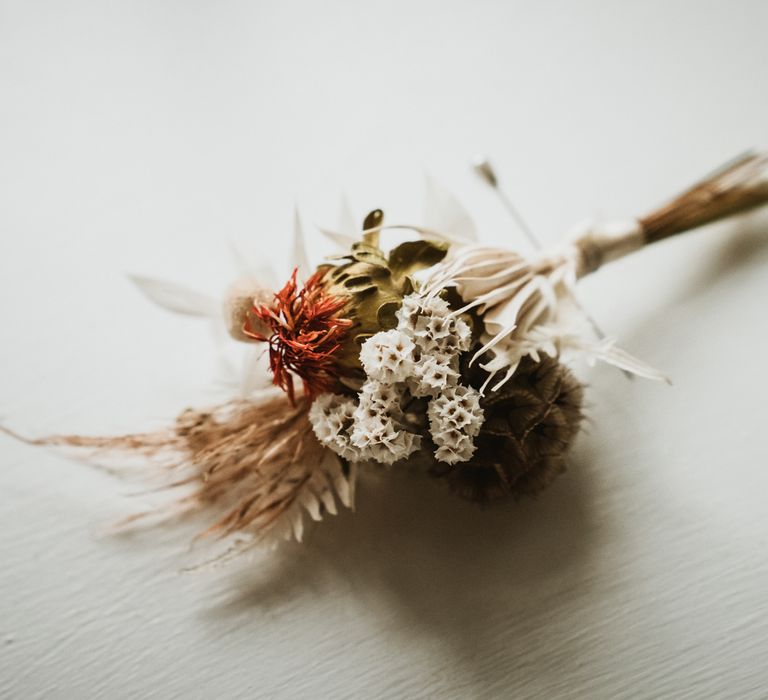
[
  {"x": 375, "y": 286},
  {"x": 360, "y": 338},
  {"x": 373, "y": 221},
  {"x": 366, "y": 253},
  {"x": 386, "y": 314},
  {"x": 412, "y": 256},
  {"x": 358, "y": 283}
]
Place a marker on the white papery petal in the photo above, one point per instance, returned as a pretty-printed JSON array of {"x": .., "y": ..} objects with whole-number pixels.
[
  {"x": 299, "y": 256},
  {"x": 311, "y": 504},
  {"x": 607, "y": 351},
  {"x": 327, "y": 499},
  {"x": 443, "y": 212},
  {"x": 346, "y": 222},
  {"x": 248, "y": 267},
  {"x": 343, "y": 242},
  {"x": 177, "y": 298},
  {"x": 297, "y": 525}
]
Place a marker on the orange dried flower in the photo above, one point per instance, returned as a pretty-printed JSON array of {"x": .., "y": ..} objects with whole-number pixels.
[{"x": 306, "y": 333}]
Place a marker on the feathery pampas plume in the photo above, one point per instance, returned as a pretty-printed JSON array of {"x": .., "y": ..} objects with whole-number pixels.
[{"x": 254, "y": 467}]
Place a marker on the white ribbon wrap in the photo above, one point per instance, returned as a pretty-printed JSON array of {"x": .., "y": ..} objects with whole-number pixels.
[{"x": 599, "y": 243}]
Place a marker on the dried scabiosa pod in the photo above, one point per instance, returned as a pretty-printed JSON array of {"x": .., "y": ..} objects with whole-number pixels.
[
  {"x": 441, "y": 352},
  {"x": 529, "y": 427}
]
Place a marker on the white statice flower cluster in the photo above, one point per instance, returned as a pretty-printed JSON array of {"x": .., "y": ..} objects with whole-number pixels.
[
  {"x": 332, "y": 417},
  {"x": 377, "y": 432},
  {"x": 418, "y": 359},
  {"x": 455, "y": 419},
  {"x": 438, "y": 337},
  {"x": 387, "y": 357}
]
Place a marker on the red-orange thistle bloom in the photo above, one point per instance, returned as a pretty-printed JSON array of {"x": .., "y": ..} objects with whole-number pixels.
[{"x": 306, "y": 333}]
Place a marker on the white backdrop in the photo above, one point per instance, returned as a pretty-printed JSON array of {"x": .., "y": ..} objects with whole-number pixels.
[{"x": 148, "y": 136}]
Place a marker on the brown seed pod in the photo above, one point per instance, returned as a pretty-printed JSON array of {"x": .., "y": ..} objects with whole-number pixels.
[{"x": 529, "y": 426}]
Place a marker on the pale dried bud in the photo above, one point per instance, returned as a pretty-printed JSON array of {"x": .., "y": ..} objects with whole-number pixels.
[
  {"x": 484, "y": 169},
  {"x": 239, "y": 301}
]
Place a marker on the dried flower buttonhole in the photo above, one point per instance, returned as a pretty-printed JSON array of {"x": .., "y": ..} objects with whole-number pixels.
[{"x": 441, "y": 353}]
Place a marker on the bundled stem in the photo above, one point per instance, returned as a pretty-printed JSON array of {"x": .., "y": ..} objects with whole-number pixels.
[{"x": 738, "y": 187}]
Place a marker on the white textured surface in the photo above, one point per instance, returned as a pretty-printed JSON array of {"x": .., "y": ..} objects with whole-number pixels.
[{"x": 143, "y": 136}]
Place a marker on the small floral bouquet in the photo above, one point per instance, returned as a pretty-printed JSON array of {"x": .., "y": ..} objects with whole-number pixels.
[{"x": 440, "y": 354}]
